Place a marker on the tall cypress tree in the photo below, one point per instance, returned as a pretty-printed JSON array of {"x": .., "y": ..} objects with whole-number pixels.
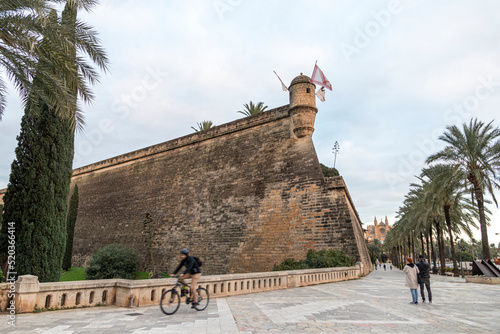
[
  {"x": 70, "y": 228},
  {"x": 20, "y": 183},
  {"x": 42, "y": 237},
  {"x": 37, "y": 194},
  {"x": 1, "y": 216}
]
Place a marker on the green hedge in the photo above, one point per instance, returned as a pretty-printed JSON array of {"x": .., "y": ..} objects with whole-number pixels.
[
  {"x": 112, "y": 261},
  {"x": 326, "y": 258}
]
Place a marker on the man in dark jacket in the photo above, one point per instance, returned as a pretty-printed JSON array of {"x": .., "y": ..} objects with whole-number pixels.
[
  {"x": 425, "y": 278},
  {"x": 192, "y": 271}
]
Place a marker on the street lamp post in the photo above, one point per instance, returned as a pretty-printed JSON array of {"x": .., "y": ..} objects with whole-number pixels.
[{"x": 336, "y": 149}]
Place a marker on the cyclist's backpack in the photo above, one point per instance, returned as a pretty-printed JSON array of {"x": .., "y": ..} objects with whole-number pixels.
[{"x": 197, "y": 259}]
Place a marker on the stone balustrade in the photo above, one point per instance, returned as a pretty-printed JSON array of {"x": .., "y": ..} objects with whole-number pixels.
[{"x": 31, "y": 295}]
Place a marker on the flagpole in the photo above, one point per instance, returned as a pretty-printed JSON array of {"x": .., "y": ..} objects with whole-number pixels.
[{"x": 282, "y": 84}]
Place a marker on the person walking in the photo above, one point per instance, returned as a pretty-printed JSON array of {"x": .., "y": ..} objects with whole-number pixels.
[
  {"x": 411, "y": 272},
  {"x": 384, "y": 267},
  {"x": 425, "y": 278},
  {"x": 391, "y": 266},
  {"x": 192, "y": 271}
]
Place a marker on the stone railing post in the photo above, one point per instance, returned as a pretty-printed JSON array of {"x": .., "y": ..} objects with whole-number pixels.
[
  {"x": 292, "y": 281},
  {"x": 361, "y": 268},
  {"x": 27, "y": 288},
  {"x": 125, "y": 296}
]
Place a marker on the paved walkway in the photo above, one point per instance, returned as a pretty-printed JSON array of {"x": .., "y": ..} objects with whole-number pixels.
[{"x": 378, "y": 303}]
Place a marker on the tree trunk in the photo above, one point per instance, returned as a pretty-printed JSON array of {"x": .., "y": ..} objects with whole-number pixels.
[
  {"x": 439, "y": 237},
  {"x": 482, "y": 217},
  {"x": 394, "y": 254},
  {"x": 404, "y": 254},
  {"x": 395, "y": 257},
  {"x": 413, "y": 248},
  {"x": 398, "y": 258},
  {"x": 428, "y": 253},
  {"x": 409, "y": 246},
  {"x": 401, "y": 256},
  {"x": 443, "y": 257},
  {"x": 452, "y": 244},
  {"x": 422, "y": 243},
  {"x": 433, "y": 254}
]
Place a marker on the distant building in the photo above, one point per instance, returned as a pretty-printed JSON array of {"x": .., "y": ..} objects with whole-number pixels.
[{"x": 377, "y": 230}]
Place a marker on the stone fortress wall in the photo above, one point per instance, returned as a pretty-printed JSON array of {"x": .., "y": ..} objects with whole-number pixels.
[{"x": 243, "y": 196}]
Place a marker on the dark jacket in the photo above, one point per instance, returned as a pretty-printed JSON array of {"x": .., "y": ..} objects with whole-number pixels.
[
  {"x": 424, "y": 269},
  {"x": 191, "y": 266}
]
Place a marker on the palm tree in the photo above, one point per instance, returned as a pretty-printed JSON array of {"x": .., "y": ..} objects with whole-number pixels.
[
  {"x": 446, "y": 190},
  {"x": 475, "y": 150},
  {"x": 373, "y": 251},
  {"x": 421, "y": 215},
  {"x": 25, "y": 28},
  {"x": 253, "y": 109},
  {"x": 409, "y": 223},
  {"x": 202, "y": 126},
  {"x": 45, "y": 146}
]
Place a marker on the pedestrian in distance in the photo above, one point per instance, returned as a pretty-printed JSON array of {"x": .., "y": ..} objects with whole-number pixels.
[
  {"x": 425, "y": 278},
  {"x": 192, "y": 271},
  {"x": 375, "y": 266},
  {"x": 411, "y": 272},
  {"x": 384, "y": 267},
  {"x": 391, "y": 266}
]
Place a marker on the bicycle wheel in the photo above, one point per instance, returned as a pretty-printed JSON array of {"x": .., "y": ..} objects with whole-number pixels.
[
  {"x": 203, "y": 299},
  {"x": 170, "y": 302}
]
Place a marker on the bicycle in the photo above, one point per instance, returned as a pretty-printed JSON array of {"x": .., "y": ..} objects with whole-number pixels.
[{"x": 171, "y": 299}]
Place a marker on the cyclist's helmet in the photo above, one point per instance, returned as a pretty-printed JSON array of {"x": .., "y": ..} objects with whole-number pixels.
[{"x": 184, "y": 251}]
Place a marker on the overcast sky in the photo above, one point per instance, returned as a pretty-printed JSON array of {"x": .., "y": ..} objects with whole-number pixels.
[{"x": 401, "y": 72}]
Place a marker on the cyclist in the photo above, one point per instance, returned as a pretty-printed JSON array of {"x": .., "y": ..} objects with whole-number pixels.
[{"x": 192, "y": 271}]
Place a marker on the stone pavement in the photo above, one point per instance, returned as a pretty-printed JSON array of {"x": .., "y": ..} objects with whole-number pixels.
[{"x": 378, "y": 303}]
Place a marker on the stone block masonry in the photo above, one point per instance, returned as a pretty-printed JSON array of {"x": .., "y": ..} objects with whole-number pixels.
[{"x": 242, "y": 196}]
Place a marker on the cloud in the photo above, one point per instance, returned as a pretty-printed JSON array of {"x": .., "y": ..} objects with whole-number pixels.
[{"x": 388, "y": 102}]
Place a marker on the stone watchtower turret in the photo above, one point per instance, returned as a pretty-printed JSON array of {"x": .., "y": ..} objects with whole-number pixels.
[{"x": 302, "y": 106}]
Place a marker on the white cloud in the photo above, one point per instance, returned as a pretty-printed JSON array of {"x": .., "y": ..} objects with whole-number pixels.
[{"x": 386, "y": 104}]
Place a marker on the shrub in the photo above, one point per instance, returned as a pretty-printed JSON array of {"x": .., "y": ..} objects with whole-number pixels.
[
  {"x": 112, "y": 261},
  {"x": 329, "y": 171},
  {"x": 326, "y": 258},
  {"x": 290, "y": 264}
]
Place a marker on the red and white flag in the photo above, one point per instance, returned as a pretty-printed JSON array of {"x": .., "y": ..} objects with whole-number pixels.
[
  {"x": 319, "y": 78},
  {"x": 321, "y": 94}
]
